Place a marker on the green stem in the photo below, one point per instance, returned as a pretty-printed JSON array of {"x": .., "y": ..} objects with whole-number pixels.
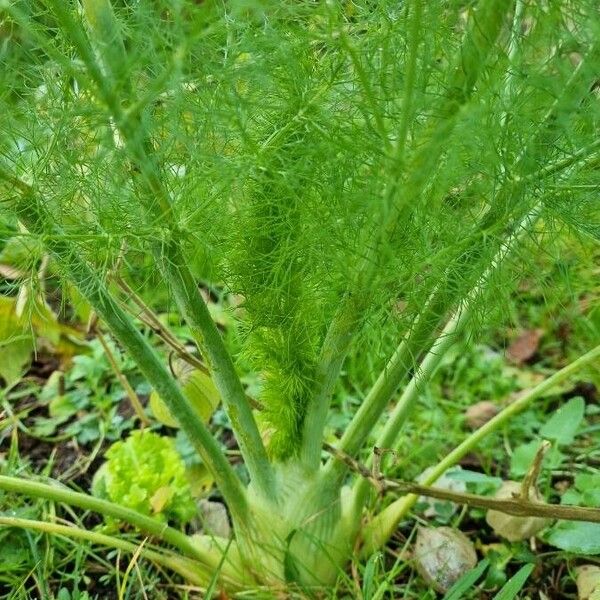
[
  {"x": 381, "y": 528},
  {"x": 208, "y": 338},
  {"x": 333, "y": 353},
  {"x": 107, "y": 37},
  {"x": 466, "y": 69},
  {"x": 32, "y": 213},
  {"x": 399, "y": 365},
  {"x": 585, "y": 156},
  {"x": 396, "y": 369},
  {"x": 415, "y": 9},
  {"x": 343, "y": 327},
  {"x": 144, "y": 523},
  {"x": 192, "y": 571}
]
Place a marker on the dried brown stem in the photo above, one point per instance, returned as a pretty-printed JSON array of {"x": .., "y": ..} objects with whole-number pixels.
[
  {"x": 518, "y": 506},
  {"x": 533, "y": 473},
  {"x": 151, "y": 320}
]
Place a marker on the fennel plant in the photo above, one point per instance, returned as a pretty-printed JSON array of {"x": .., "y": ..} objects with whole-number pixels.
[{"x": 369, "y": 177}]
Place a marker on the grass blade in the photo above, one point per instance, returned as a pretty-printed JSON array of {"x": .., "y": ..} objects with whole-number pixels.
[
  {"x": 515, "y": 583},
  {"x": 458, "y": 590}
]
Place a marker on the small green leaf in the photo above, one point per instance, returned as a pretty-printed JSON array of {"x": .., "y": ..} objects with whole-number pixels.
[
  {"x": 563, "y": 424},
  {"x": 515, "y": 583},
  {"x": 588, "y": 484},
  {"x": 62, "y": 406},
  {"x": 198, "y": 388},
  {"x": 576, "y": 537}
]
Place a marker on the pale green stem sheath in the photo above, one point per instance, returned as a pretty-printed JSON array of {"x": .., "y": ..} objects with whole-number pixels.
[
  {"x": 32, "y": 213},
  {"x": 64, "y": 495},
  {"x": 380, "y": 529},
  {"x": 108, "y": 43},
  {"x": 222, "y": 369},
  {"x": 193, "y": 572},
  {"x": 462, "y": 77}
]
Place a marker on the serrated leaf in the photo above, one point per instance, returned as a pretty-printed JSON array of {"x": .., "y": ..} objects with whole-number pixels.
[
  {"x": 576, "y": 537},
  {"x": 513, "y": 586},
  {"x": 563, "y": 424}
]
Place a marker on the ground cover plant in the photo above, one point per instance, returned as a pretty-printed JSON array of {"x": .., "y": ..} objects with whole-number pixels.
[{"x": 364, "y": 182}]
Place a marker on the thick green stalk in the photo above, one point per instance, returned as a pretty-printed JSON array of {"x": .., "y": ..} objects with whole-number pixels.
[
  {"x": 399, "y": 365},
  {"x": 448, "y": 337},
  {"x": 208, "y": 338},
  {"x": 192, "y": 571},
  {"x": 397, "y": 368},
  {"x": 462, "y": 77},
  {"x": 64, "y": 495},
  {"x": 33, "y": 214},
  {"x": 107, "y": 40},
  {"x": 380, "y": 529},
  {"x": 415, "y": 9}
]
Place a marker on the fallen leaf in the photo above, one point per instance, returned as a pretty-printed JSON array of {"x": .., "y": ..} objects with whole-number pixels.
[
  {"x": 525, "y": 346},
  {"x": 480, "y": 413},
  {"x": 442, "y": 556},
  {"x": 16, "y": 342},
  {"x": 510, "y": 527}
]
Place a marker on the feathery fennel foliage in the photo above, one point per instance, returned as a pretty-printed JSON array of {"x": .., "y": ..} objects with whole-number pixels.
[{"x": 363, "y": 174}]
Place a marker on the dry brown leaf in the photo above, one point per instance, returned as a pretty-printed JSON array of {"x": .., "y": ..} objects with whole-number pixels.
[
  {"x": 480, "y": 413},
  {"x": 525, "y": 346}
]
